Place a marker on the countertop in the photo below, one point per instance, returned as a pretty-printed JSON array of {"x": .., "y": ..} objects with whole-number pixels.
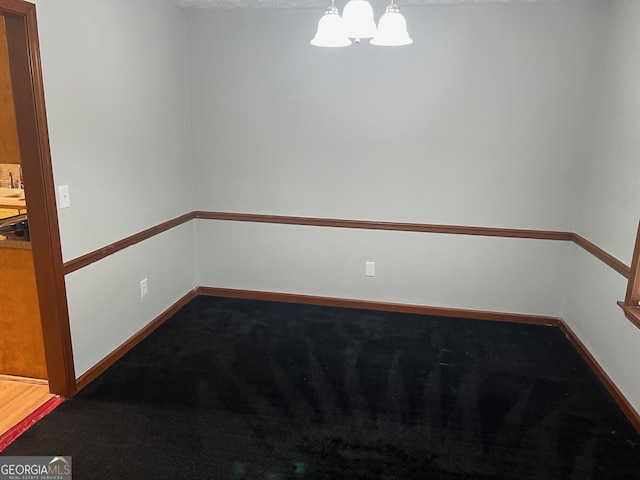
[
  {"x": 17, "y": 204},
  {"x": 12, "y": 198}
]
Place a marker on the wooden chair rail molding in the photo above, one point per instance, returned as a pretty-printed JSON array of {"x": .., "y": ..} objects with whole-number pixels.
[
  {"x": 377, "y": 225},
  {"x": 631, "y": 304},
  {"x": 600, "y": 254},
  {"x": 94, "y": 256}
]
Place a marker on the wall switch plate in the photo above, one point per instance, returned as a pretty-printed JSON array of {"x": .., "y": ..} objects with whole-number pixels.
[
  {"x": 63, "y": 196},
  {"x": 369, "y": 269},
  {"x": 144, "y": 288}
]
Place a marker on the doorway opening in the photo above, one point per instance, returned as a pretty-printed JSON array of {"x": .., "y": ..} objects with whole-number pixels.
[{"x": 33, "y": 139}]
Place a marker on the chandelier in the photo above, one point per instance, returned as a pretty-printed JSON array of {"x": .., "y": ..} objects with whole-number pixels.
[{"x": 357, "y": 22}]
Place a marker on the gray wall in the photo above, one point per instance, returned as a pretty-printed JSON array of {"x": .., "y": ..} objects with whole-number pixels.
[
  {"x": 610, "y": 195},
  {"x": 477, "y": 123},
  {"x": 474, "y": 124},
  {"x": 116, "y": 87}
]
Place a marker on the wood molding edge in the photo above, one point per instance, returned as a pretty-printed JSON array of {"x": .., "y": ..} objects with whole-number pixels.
[
  {"x": 380, "y": 306},
  {"x": 379, "y": 225},
  {"x": 632, "y": 415},
  {"x": 31, "y": 118},
  {"x": 95, "y": 371},
  {"x": 632, "y": 313},
  {"x": 624, "y": 405},
  {"x": 632, "y": 295},
  {"x": 96, "y": 255},
  {"x": 92, "y": 257},
  {"x": 600, "y": 254},
  {"x": 99, "y": 254},
  {"x": 18, "y": 7},
  {"x": 119, "y": 352},
  {"x": 576, "y": 238}
]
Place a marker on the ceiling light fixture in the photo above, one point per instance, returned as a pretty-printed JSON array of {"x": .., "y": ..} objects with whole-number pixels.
[
  {"x": 392, "y": 29},
  {"x": 357, "y": 22},
  {"x": 331, "y": 32}
]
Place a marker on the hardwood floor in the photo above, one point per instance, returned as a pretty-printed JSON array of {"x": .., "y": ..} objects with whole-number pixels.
[{"x": 19, "y": 397}]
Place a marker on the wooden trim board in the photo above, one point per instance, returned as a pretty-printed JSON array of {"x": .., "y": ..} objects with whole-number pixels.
[
  {"x": 601, "y": 255},
  {"x": 631, "y": 312},
  {"x": 632, "y": 415},
  {"x": 378, "y": 225},
  {"x": 379, "y": 306},
  {"x": 31, "y": 122},
  {"x": 96, "y": 255},
  {"x": 119, "y": 352},
  {"x": 619, "y": 398}
]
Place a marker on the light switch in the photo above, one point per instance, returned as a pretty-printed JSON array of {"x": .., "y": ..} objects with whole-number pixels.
[{"x": 63, "y": 196}]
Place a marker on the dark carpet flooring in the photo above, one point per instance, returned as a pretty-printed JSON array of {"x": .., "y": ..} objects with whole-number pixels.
[{"x": 237, "y": 389}]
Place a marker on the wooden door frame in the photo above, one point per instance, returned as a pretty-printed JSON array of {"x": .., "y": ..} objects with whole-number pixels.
[{"x": 33, "y": 136}]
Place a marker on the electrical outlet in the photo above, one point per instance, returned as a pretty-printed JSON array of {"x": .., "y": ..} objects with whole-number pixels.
[
  {"x": 144, "y": 288},
  {"x": 369, "y": 269}
]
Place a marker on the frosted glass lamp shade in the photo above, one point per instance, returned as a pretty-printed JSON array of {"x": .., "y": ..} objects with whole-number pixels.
[
  {"x": 392, "y": 29},
  {"x": 331, "y": 31},
  {"x": 358, "y": 19}
]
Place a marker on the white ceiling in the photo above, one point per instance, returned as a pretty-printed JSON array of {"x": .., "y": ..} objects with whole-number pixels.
[{"x": 321, "y": 4}]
